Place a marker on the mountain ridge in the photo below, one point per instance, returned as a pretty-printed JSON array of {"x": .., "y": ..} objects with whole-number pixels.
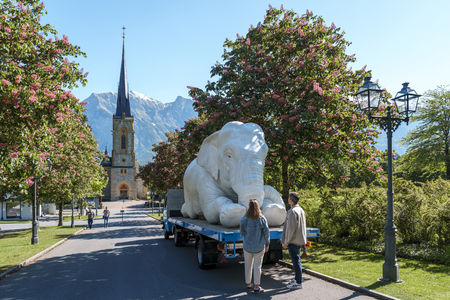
[{"x": 152, "y": 119}]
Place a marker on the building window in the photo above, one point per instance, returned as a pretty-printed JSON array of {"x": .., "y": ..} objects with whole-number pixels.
[
  {"x": 124, "y": 142},
  {"x": 123, "y": 171},
  {"x": 13, "y": 210}
]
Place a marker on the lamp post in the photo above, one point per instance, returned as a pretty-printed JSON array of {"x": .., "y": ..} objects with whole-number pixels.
[
  {"x": 406, "y": 100},
  {"x": 72, "y": 223},
  {"x": 34, "y": 235}
]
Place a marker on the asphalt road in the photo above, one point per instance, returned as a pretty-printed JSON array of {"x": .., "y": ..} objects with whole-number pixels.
[{"x": 132, "y": 260}]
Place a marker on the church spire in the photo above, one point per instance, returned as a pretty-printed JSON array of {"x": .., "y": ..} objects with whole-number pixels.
[{"x": 123, "y": 100}]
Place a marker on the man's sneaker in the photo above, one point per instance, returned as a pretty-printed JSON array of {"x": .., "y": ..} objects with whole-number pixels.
[
  {"x": 292, "y": 281},
  {"x": 294, "y": 285}
]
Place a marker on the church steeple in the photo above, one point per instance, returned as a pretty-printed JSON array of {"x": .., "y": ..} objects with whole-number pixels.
[{"x": 123, "y": 100}]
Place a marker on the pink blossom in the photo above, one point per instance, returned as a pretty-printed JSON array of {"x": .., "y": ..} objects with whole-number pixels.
[
  {"x": 311, "y": 108},
  {"x": 86, "y": 74},
  {"x": 273, "y": 133},
  {"x": 8, "y": 30},
  {"x": 369, "y": 168},
  {"x": 269, "y": 163},
  {"x": 285, "y": 157},
  {"x": 32, "y": 99},
  {"x": 247, "y": 41},
  {"x": 34, "y": 76},
  {"x": 5, "y": 82},
  {"x": 190, "y": 87}
]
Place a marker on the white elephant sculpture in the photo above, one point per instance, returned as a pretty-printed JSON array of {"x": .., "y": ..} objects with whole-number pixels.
[{"x": 227, "y": 173}]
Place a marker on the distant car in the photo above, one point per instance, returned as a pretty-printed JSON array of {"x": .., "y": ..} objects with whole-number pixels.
[{"x": 90, "y": 202}]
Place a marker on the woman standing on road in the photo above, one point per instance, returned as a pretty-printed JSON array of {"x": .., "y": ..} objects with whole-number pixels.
[
  {"x": 254, "y": 229},
  {"x": 106, "y": 217}
]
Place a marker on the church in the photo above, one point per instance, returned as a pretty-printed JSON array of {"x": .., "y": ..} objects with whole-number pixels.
[{"x": 121, "y": 166}]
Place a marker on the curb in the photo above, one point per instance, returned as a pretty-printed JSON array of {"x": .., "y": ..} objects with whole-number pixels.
[
  {"x": 35, "y": 257},
  {"x": 346, "y": 284}
]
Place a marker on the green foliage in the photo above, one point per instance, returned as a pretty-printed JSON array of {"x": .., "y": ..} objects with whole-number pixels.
[
  {"x": 429, "y": 143},
  {"x": 421, "y": 212}
]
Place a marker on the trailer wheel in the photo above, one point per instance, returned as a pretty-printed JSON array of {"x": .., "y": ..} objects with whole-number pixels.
[
  {"x": 177, "y": 238},
  {"x": 201, "y": 256}
]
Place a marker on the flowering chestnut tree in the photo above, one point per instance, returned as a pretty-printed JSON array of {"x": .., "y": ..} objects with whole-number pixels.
[
  {"x": 35, "y": 81},
  {"x": 76, "y": 165},
  {"x": 291, "y": 76}
]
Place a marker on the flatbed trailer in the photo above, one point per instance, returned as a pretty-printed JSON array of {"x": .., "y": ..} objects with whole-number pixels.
[{"x": 214, "y": 243}]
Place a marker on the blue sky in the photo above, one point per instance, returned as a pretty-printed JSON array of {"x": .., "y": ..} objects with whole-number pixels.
[{"x": 173, "y": 44}]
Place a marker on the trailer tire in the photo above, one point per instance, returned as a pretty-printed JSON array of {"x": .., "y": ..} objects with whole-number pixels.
[{"x": 201, "y": 256}]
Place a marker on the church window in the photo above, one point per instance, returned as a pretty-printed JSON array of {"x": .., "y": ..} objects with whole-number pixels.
[{"x": 124, "y": 142}]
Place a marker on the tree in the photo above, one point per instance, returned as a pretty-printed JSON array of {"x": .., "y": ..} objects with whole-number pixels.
[
  {"x": 35, "y": 81},
  {"x": 429, "y": 143},
  {"x": 77, "y": 171},
  {"x": 290, "y": 75}
]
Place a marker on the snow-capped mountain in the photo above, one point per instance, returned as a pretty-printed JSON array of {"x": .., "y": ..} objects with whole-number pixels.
[{"x": 152, "y": 120}]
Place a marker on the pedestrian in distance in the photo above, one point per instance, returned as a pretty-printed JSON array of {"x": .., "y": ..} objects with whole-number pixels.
[
  {"x": 90, "y": 216},
  {"x": 255, "y": 230},
  {"x": 294, "y": 237},
  {"x": 106, "y": 217}
]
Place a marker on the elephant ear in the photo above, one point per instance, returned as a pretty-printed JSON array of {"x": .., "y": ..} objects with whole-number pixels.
[{"x": 208, "y": 156}]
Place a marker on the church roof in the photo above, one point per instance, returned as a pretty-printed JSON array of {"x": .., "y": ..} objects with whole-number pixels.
[{"x": 123, "y": 99}]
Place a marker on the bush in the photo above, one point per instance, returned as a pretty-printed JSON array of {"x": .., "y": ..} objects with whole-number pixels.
[{"x": 357, "y": 216}]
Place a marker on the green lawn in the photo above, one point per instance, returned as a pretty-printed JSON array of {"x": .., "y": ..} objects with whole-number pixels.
[
  {"x": 16, "y": 247},
  {"x": 156, "y": 216},
  {"x": 421, "y": 280},
  {"x": 15, "y": 221}
]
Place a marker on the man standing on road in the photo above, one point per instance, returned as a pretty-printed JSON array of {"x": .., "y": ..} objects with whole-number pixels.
[
  {"x": 90, "y": 216},
  {"x": 294, "y": 237},
  {"x": 106, "y": 217}
]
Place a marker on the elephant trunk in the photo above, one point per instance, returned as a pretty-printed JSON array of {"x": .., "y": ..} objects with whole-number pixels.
[{"x": 248, "y": 182}]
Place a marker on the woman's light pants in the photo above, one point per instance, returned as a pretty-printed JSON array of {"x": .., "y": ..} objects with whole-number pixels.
[{"x": 253, "y": 261}]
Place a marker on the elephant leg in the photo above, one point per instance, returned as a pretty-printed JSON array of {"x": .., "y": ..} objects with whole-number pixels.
[
  {"x": 273, "y": 207},
  {"x": 275, "y": 213},
  {"x": 230, "y": 213}
]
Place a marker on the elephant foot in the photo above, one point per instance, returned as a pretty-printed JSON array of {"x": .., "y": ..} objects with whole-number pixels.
[
  {"x": 185, "y": 212},
  {"x": 274, "y": 213},
  {"x": 231, "y": 214}
]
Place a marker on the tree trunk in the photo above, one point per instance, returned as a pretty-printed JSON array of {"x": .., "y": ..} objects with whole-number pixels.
[
  {"x": 60, "y": 221},
  {"x": 447, "y": 162},
  {"x": 285, "y": 176}
]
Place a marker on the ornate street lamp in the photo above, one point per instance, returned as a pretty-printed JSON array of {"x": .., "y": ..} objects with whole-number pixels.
[
  {"x": 34, "y": 237},
  {"x": 368, "y": 96}
]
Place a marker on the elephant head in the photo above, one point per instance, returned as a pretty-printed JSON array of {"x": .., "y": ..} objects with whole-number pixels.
[{"x": 235, "y": 158}]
